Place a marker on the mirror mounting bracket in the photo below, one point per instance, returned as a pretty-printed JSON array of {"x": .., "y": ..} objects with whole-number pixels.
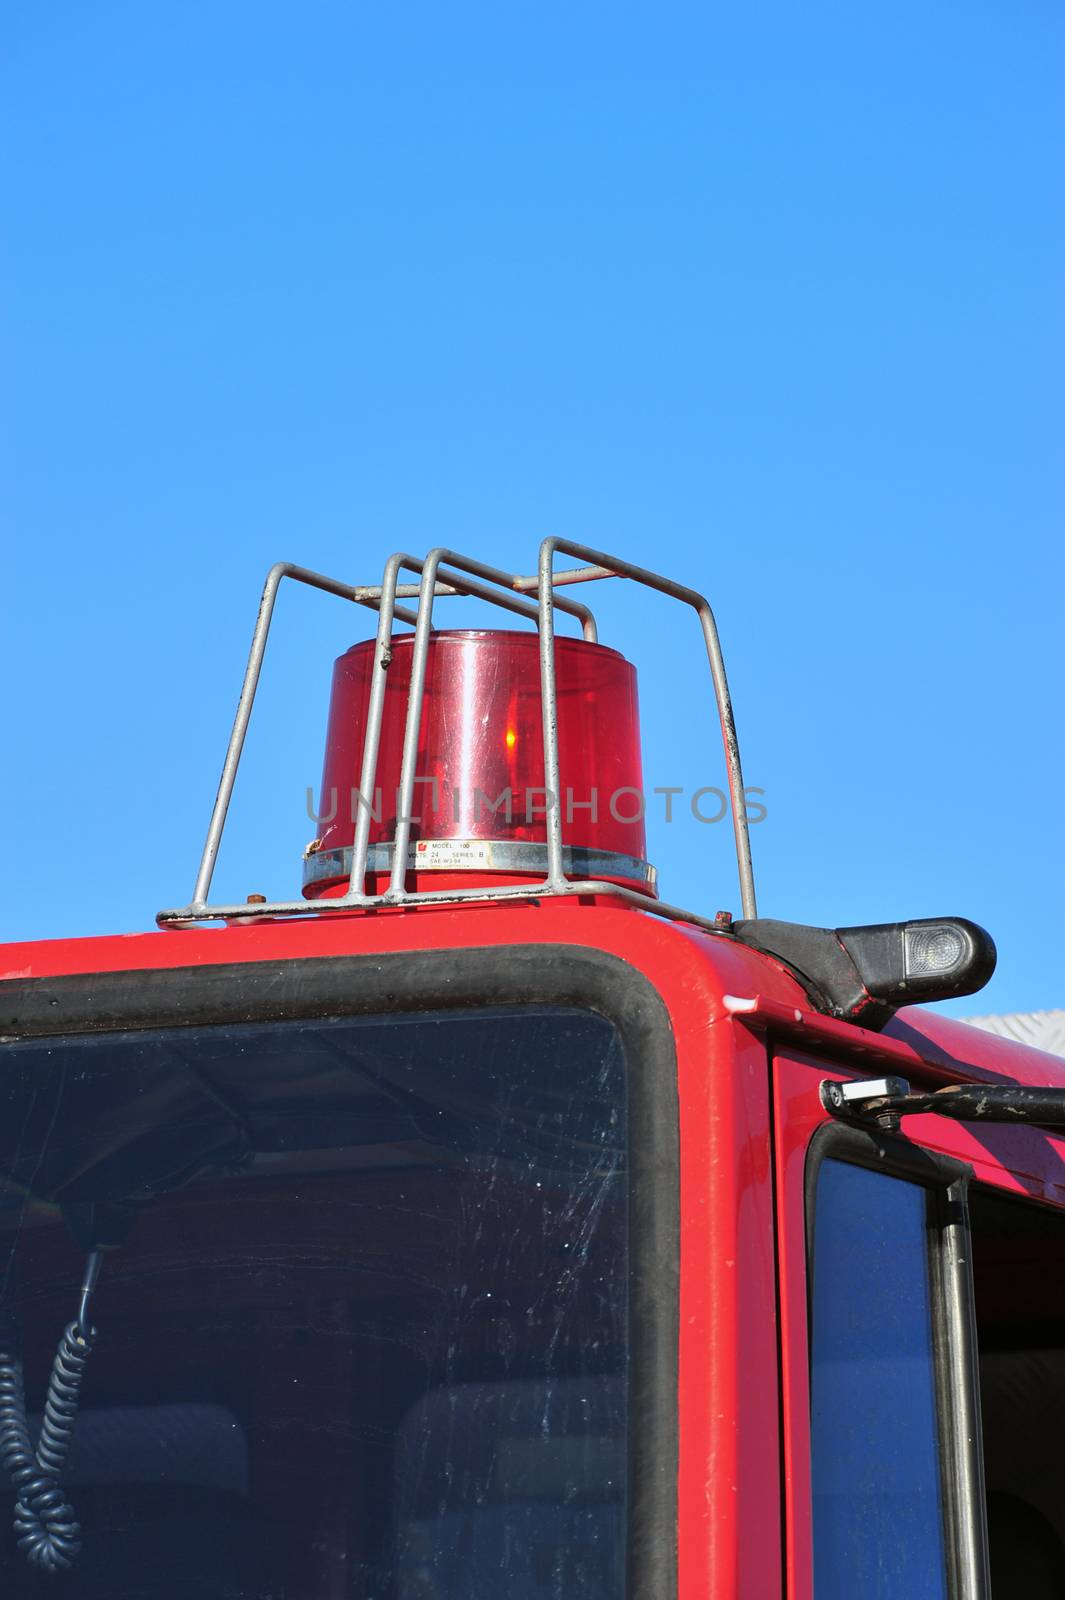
[{"x": 885, "y": 1101}]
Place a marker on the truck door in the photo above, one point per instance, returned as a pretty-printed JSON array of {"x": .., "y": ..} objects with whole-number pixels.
[{"x": 923, "y": 1353}]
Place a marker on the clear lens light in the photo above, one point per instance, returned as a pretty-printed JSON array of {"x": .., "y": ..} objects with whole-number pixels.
[{"x": 933, "y": 951}]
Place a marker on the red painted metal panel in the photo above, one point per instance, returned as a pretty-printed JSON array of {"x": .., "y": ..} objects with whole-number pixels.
[
  {"x": 726, "y": 965},
  {"x": 754, "y": 988},
  {"x": 729, "y": 1506},
  {"x": 930, "y": 1047}
]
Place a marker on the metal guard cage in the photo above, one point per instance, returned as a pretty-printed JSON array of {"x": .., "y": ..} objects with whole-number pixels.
[{"x": 445, "y": 572}]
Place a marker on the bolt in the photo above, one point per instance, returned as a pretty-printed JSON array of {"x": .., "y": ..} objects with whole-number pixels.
[{"x": 831, "y": 1095}]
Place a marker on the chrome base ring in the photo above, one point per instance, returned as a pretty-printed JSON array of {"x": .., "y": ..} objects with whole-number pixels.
[{"x": 482, "y": 855}]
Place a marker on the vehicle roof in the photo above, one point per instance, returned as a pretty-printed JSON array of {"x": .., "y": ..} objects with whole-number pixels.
[{"x": 710, "y": 976}]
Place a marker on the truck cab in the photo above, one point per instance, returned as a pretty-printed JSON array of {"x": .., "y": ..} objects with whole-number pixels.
[{"x": 457, "y": 1233}]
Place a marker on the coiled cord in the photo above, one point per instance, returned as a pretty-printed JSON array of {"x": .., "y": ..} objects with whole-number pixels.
[{"x": 46, "y": 1528}]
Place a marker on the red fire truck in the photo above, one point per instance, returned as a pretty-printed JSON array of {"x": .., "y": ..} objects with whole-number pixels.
[{"x": 482, "y": 1226}]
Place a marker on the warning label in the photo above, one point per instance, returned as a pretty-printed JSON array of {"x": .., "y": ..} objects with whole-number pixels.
[{"x": 440, "y": 855}]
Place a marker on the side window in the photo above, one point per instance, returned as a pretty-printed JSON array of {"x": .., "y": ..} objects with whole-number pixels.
[
  {"x": 1018, "y": 1253},
  {"x": 878, "y": 1506}
]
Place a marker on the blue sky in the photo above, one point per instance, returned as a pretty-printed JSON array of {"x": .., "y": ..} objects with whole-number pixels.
[{"x": 769, "y": 297}]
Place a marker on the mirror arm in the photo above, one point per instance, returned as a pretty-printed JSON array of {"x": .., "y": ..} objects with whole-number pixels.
[{"x": 883, "y": 1101}]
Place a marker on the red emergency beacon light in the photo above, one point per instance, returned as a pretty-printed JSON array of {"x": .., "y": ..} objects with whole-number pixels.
[
  {"x": 478, "y": 764},
  {"x": 481, "y": 796}
]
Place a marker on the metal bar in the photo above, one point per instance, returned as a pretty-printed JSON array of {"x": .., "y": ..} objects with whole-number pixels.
[
  {"x": 401, "y": 612},
  {"x": 280, "y": 570},
  {"x": 959, "y": 1377},
  {"x": 369, "y": 594},
  {"x": 374, "y": 714},
  {"x": 237, "y": 734},
  {"x": 569, "y": 889},
  {"x": 480, "y": 591},
  {"x": 419, "y": 656},
  {"x": 549, "y": 712},
  {"x": 568, "y": 575},
  {"x": 373, "y": 604},
  {"x": 454, "y": 563},
  {"x": 678, "y": 591}
]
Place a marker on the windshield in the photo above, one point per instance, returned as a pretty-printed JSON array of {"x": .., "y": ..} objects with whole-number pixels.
[{"x": 367, "y": 1334}]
